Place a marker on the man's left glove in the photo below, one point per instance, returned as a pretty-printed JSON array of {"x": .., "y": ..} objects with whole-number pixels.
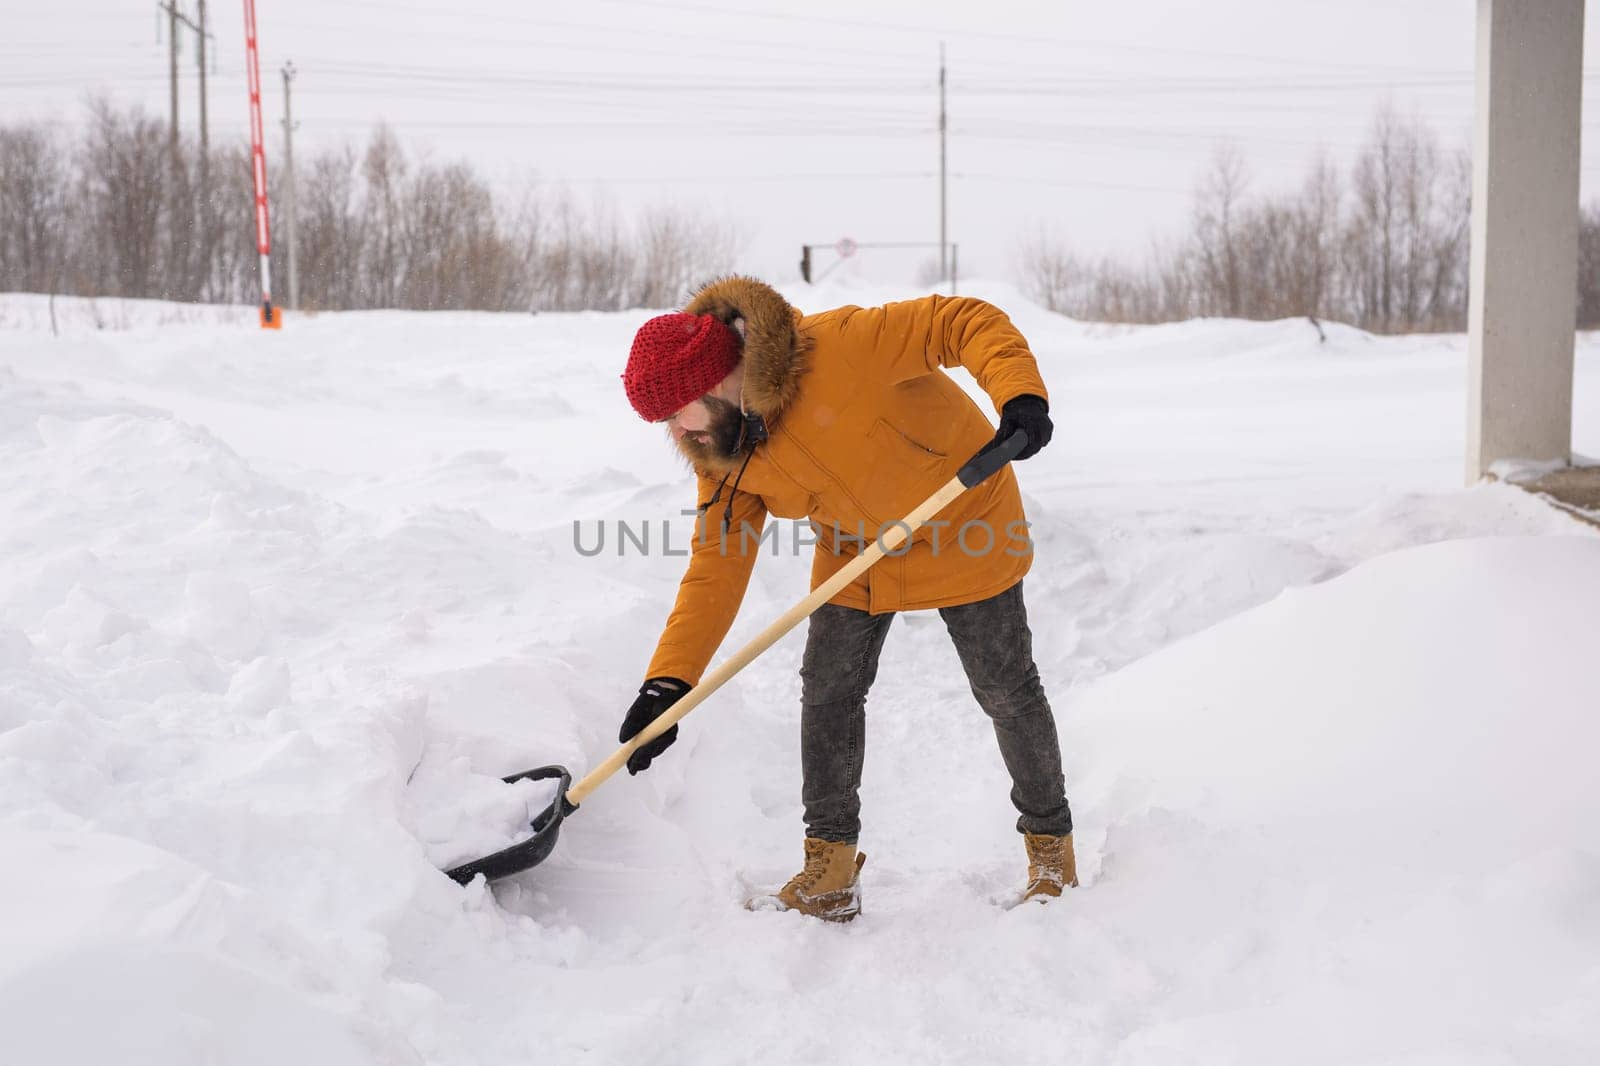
[
  {"x": 655, "y": 696},
  {"x": 1031, "y": 414}
]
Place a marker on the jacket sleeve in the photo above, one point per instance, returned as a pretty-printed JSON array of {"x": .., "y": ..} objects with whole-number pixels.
[
  {"x": 917, "y": 336},
  {"x": 713, "y": 586}
]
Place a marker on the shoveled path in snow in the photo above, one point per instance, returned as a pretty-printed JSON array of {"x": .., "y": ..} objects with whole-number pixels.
[{"x": 277, "y": 607}]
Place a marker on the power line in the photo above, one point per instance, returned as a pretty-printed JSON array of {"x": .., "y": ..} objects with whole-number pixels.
[
  {"x": 1069, "y": 183},
  {"x": 1029, "y": 38},
  {"x": 908, "y": 83},
  {"x": 654, "y": 129},
  {"x": 592, "y": 83},
  {"x": 1194, "y": 87},
  {"x": 606, "y": 31},
  {"x": 741, "y": 179}
]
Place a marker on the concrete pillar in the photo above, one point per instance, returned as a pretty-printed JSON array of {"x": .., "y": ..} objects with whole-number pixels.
[{"x": 1524, "y": 231}]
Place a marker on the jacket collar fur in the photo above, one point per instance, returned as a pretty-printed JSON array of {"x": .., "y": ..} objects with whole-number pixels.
[{"x": 776, "y": 354}]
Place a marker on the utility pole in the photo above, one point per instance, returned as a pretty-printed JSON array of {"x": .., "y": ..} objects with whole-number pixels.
[
  {"x": 294, "y": 211},
  {"x": 171, "y": 8},
  {"x": 201, "y": 30},
  {"x": 174, "y": 16},
  {"x": 944, "y": 264}
]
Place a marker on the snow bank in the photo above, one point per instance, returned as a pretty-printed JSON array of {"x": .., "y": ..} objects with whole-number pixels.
[
  {"x": 1357, "y": 824},
  {"x": 117, "y": 952},
  {"x": 277, "y": 610}
]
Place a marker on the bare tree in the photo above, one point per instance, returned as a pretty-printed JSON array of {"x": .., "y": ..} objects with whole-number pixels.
[
  {"x": 1217, "y": 206},
  {"x": 675, "y": 250},
  {"x": 1449, "y": 266},
  {"x": 332, "y": 233},
  {"x": 383, "y": 169},
  {"x": 120, "y": 189},
  {"x": 1313, "y": 226},
  {"x": 34, "y": 180},
  {"x": 124, "y": 211},
  {"x": 1387, "y": 250},
  {"x": 1052, "y": 276},
  {"x": 1589, "y": 268}
]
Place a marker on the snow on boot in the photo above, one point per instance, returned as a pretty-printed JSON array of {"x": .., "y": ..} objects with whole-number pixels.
[
  {"x": 828, "y": 887},
  {"x": 1052, "y": 866}
]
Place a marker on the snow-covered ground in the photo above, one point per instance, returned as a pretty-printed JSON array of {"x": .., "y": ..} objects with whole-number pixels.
[{"x": 275, "y": 609}]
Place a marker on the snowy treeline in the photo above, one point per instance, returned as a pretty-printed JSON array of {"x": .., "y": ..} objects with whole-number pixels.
[
  {"x": 1384, "y": 246},
  {"x": 122, "y": 210}
]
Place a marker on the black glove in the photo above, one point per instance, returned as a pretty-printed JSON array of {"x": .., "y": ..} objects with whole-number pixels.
[
  {"x": 655, "y": 696},
  {"x": 1031, "y": 415}
]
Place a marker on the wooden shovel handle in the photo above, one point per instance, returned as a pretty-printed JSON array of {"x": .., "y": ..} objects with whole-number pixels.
[{"x": 980, "y": 467}]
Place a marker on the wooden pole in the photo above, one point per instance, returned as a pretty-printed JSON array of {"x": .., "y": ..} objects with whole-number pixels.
[{"x": 724, "y": 672}]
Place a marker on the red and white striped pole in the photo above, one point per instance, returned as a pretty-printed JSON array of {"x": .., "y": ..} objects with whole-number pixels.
[{"x": 271, "y": 317}]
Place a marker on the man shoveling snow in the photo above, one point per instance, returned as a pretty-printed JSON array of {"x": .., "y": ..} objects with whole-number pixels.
[{"x": 846, "y": 418}]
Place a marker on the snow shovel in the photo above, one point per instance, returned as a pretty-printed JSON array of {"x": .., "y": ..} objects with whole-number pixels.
[{"x": 547, "y": 826}]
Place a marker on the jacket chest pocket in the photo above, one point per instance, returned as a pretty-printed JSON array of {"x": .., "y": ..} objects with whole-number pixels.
[{"x": 901, "y": 472}]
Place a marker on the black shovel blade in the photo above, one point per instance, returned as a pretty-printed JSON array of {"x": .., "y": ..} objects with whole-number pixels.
[{"x": 534, "y": 850}]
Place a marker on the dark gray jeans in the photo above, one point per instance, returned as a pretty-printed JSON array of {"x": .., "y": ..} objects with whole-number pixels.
[{"x": 996, "y": 649}]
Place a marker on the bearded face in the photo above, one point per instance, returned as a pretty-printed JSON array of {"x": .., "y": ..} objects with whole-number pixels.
[{"x": 721, "y": 438}]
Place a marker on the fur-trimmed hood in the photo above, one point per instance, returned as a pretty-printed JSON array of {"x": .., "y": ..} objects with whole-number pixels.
[
  {"x": 774, "y": 351},
  {"x": 775, "y": 354}
]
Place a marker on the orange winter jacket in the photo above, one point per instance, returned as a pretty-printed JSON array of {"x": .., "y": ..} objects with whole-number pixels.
[{"x": 864, "y": 425}]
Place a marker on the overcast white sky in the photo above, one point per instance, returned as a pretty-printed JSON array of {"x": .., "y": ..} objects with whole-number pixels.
[{"x": 809, "y": 122}]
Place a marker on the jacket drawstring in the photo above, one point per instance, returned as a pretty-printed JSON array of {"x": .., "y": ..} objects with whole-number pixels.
[
  {"x": 753, "y": 430},
  {"x": 727, "y": 513}
]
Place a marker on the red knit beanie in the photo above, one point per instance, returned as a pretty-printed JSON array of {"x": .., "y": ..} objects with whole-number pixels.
[{"x": 676, "y": 359}]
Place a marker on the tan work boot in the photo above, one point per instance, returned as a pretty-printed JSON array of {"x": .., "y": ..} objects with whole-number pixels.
[
  {"x": 1052, "y": 866},
  {"x": 828, "y": 887}
]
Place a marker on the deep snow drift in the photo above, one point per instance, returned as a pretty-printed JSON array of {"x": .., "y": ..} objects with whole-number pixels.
[{"x": 276, "y": 608}]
